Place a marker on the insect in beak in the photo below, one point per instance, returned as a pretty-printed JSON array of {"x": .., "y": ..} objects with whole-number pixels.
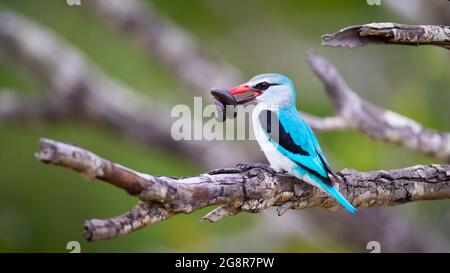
[
  {"x": 223, "y": 98},
  {"x": 240, "y": 94}
]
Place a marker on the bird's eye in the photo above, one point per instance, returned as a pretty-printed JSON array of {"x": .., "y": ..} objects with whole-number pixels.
[{"x": 262, "y": 85}]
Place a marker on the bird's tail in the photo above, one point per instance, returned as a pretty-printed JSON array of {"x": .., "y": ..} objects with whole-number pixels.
[{"x": 338, "y": 196}]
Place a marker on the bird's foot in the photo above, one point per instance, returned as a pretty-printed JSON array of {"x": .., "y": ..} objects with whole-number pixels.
[
  {"x": 283, "y": 172},
  {"x": 248, "y": 166}
]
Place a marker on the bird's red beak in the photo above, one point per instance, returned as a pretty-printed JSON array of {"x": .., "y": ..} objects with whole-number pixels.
[
  {"x": 240, "y": 89},
  {"x": 244, "y": 93}
]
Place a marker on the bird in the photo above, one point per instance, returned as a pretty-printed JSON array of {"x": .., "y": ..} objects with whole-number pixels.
[{"x": 287, "y": 141}]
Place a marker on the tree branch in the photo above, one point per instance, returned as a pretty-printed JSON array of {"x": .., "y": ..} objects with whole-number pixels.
[
  {"x": 354, "y": 113},
  {"x": 17, "y": 108},
  {"x": 165, "y": 42},
  {"x": 249, "y": 188},
  {"x": 389, "y": 33},
  {"x": 80, "y": 89}
]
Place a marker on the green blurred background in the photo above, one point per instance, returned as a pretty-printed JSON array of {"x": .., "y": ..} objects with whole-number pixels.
[{"x": 43, "y": 207}]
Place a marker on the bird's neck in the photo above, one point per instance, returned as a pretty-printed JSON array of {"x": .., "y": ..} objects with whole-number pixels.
[{"x": 276, "y": 106}]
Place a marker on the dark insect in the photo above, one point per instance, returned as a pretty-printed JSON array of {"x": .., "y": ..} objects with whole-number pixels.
[
  {"x": 224, "y": 98},
  {"x": 220, "y": 111}
]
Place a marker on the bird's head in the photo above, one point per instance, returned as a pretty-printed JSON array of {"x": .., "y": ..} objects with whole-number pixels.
[{"x": 271, "y": 89}]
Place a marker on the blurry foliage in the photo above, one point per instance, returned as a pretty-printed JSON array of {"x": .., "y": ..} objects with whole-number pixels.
[{"x": 42, "y": 208}]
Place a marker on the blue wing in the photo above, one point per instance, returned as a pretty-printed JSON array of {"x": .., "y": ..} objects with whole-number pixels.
[{"x": 293, "y": 138}]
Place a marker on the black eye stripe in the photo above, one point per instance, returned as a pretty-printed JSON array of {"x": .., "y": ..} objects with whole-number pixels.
[{"x": 264, "y": 85}]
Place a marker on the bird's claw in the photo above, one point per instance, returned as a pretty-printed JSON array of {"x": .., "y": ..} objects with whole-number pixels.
[{"x": 283, "y": 172}]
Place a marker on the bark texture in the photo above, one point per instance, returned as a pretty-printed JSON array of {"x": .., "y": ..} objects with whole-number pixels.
[
  {"x": 389, "y": 33},
  {"x": 247, "y": 188}
]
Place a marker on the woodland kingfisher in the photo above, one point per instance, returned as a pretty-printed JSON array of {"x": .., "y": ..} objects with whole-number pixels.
[{"x": 287, "y": 141}]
